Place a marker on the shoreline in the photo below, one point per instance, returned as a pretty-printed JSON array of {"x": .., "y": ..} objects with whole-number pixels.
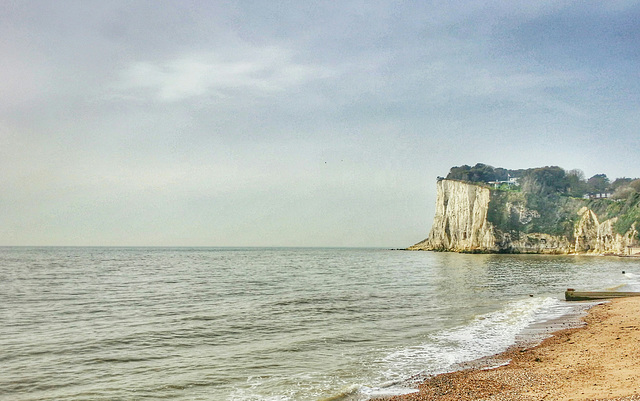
[
  {"x": 599, "y": 360},
  {"x": 485, "y": 252}
]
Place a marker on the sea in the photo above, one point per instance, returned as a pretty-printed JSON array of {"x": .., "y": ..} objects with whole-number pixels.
[{"x": 274, "y": 324}]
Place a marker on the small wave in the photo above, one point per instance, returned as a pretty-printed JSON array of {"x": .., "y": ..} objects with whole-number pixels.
[
  {"x": 616, "y": 287},
  {"x": 346, "y": 394},
  {"x": 633, "y": 282},
  {"x": 124, "y": 359},
  {"x": 362, "y": 393},
  {"x": 484, "y": 336}
]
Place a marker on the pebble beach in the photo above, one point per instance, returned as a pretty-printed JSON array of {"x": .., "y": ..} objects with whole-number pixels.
[{"x": 598, "y": 361}]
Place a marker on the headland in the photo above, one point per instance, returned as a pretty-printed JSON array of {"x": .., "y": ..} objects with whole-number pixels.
[{"x": 541, "y": 210}]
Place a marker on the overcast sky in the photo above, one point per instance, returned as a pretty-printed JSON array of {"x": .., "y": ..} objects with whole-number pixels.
[{"x": 296, "y": 123}]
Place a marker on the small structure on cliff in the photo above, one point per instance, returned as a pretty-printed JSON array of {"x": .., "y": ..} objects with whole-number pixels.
[{"x": 598, "y": 195}]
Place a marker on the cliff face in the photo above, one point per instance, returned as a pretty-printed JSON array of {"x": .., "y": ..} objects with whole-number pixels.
[
  {"x": 473, "y": 218},
  {"x": 460, "y": 223}
]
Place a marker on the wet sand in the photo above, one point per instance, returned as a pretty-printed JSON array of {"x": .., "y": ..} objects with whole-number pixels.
[{"x": 599, "y": 361}]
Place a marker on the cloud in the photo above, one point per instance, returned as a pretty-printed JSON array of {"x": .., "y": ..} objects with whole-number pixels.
[
  {"x": 259, "y": 71},
  {"x": 239, "y": 121}
]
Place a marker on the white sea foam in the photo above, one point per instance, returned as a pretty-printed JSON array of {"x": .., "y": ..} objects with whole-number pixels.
[
  {"x": 632, "y": 282},
  {"x": 385, "y": 391},
  {"x": 484, "y": 336}
]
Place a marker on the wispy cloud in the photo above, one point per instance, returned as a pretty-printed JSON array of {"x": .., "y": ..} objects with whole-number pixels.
[
  {"x": 133, "y": 119},
  {"x": 260, "y": 71}
]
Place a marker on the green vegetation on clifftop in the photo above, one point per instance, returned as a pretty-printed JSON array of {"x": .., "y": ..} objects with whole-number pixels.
[
  {"x": 546, "y": 199},
  {"x": 626, "y": 210},
  {"x": 523, "y": 213}
]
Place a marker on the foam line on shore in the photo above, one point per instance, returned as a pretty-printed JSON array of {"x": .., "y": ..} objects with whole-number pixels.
[
  {"x": 482, "y": 343},
  {"x": 595, "y": 361}
]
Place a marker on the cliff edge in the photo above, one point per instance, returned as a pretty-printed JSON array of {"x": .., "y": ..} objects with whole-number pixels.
[{"x": 460, "y": 223}]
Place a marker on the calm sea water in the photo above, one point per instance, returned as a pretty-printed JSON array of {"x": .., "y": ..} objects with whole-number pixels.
[{"x": 265, "y": 324}]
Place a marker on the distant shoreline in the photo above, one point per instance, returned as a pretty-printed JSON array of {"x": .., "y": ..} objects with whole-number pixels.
[{"x": 617, "y": 255}]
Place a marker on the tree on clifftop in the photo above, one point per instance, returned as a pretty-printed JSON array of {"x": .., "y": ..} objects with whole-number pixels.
[
  {"x": 577, "y": 185},
  {"x": 598, "y": 183},
  {"x": 478, "y": 173},
  {"x": 545, "y": 180}
]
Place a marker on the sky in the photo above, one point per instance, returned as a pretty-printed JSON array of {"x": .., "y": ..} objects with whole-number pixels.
[{"x": 296, "y": 123}]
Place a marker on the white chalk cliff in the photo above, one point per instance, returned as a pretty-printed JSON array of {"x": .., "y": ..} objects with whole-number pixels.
[{"x": 461, "y": 225}]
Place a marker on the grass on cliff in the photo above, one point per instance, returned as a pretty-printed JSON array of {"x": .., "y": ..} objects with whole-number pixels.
[
  {"x": 627, "y": 211},
  {"x": 522, "y": 212}
]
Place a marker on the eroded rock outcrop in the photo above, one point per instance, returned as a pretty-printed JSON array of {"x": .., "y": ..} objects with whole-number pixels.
[
  {"x": 586, "y": 232},
  {"x": 538, "y": 243}
]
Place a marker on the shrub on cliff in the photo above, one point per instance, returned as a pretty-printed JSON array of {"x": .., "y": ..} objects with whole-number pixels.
[
  {"x": 540, "y": 180},
  {"x": 478, "y": 173},
  {"x": 545, "y": 180},
  {"x": 599, "y": 183},
  {"x": 627, "y": 211},
  {"x": 523, "y": 212},
  {"x": 624, "y": 188}
]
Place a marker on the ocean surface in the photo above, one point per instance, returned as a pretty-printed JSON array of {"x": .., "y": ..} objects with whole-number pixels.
[{"x": 267, "y": 324}]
